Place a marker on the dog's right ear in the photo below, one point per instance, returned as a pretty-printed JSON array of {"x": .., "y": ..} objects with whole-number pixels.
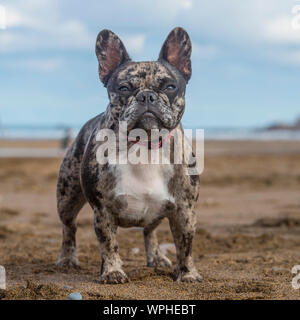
[{"x": 111, "y": 53}]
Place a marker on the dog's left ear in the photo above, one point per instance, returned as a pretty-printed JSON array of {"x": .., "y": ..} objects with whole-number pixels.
[
  {"x": 111, "y": 53},
  {"x": 177, "y": 51}
]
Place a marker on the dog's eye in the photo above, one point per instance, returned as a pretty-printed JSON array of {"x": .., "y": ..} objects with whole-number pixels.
[
  {"x": 123, "y": 89},
  {"x": 170, "y": 87}
]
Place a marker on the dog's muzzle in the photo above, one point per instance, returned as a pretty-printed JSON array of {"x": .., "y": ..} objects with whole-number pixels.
[{"x": 148, "y": 104}]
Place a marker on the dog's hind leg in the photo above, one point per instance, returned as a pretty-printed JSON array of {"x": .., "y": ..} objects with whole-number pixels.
[
  {"x": 70, "y": 200},
  {"x": 183, "y": 227},
  {"x": 155, "y": 258}
]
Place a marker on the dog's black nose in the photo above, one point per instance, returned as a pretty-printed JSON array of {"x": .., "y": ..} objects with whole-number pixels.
[{"x": 146, "y": 97}]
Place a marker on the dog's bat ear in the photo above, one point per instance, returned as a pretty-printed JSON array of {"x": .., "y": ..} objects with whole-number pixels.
[
  {"x": 177, "y": 51},
  {"x": 111, "y": 53}
]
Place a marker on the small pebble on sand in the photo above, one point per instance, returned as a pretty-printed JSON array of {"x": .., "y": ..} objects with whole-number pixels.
[
  {"x": 135, "y": 250},
  {"x": 75, "y": 296},
  {"x": 276, "y": 269}
]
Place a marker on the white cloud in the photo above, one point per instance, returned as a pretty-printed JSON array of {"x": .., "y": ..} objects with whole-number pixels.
[
  {"x": 280, "y": 30},
  {"x": 252, "y": 27},
  {"x": 134, "y": 43},
  {"x": 186, "y": 4},
  {"x": 13, "y": 18},
  {"x": 3, "y": 22},
  {"x": 33, "y": 25}
]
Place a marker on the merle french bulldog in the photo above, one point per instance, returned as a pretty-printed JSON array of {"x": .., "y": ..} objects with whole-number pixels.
[{"x": 147, "y": 95}]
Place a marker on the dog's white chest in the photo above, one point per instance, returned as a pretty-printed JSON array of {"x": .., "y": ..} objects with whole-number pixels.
[{"x": 145, "y": 188}]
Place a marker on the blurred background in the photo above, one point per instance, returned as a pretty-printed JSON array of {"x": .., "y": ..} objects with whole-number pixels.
[
  {"x": 246, "y": 62},
  {"x": 244, "y": 93}
]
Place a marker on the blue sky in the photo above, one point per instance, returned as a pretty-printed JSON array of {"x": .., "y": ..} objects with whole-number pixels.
[{"x": 246, "y": 57}]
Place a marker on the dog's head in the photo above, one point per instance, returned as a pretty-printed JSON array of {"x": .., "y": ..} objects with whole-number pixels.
[{"x": 148, "y": 95}]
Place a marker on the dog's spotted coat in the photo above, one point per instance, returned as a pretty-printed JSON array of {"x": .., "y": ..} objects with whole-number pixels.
[{"x": 148, "y": 95}]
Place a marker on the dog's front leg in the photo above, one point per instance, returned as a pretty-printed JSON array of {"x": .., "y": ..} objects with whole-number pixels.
[
  {"x": 183, "y": 225},
  {"x": 106, "y": 231}
]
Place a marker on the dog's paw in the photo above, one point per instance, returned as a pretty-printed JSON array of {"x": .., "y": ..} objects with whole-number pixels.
[
  {"x": 188, "y": 276},
  {"x": 66, "y": 262},
  {"x": 114, "y": 277},
  {"x": 159, "y": 260}
]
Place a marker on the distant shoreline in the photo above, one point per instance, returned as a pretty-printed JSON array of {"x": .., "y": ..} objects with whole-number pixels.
[
  {"x": 51, "y": 148},
  {"x": 257, "y": 134}
]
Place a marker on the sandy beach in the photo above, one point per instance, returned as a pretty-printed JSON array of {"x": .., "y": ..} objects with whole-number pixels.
[{"x": 247, "y": 241}]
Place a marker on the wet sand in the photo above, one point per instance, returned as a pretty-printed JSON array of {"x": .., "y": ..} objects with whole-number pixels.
[{"x": 247, "y": 241}]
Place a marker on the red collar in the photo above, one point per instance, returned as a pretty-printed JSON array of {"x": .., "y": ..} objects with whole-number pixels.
[{"x": 151, "y": 145}]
